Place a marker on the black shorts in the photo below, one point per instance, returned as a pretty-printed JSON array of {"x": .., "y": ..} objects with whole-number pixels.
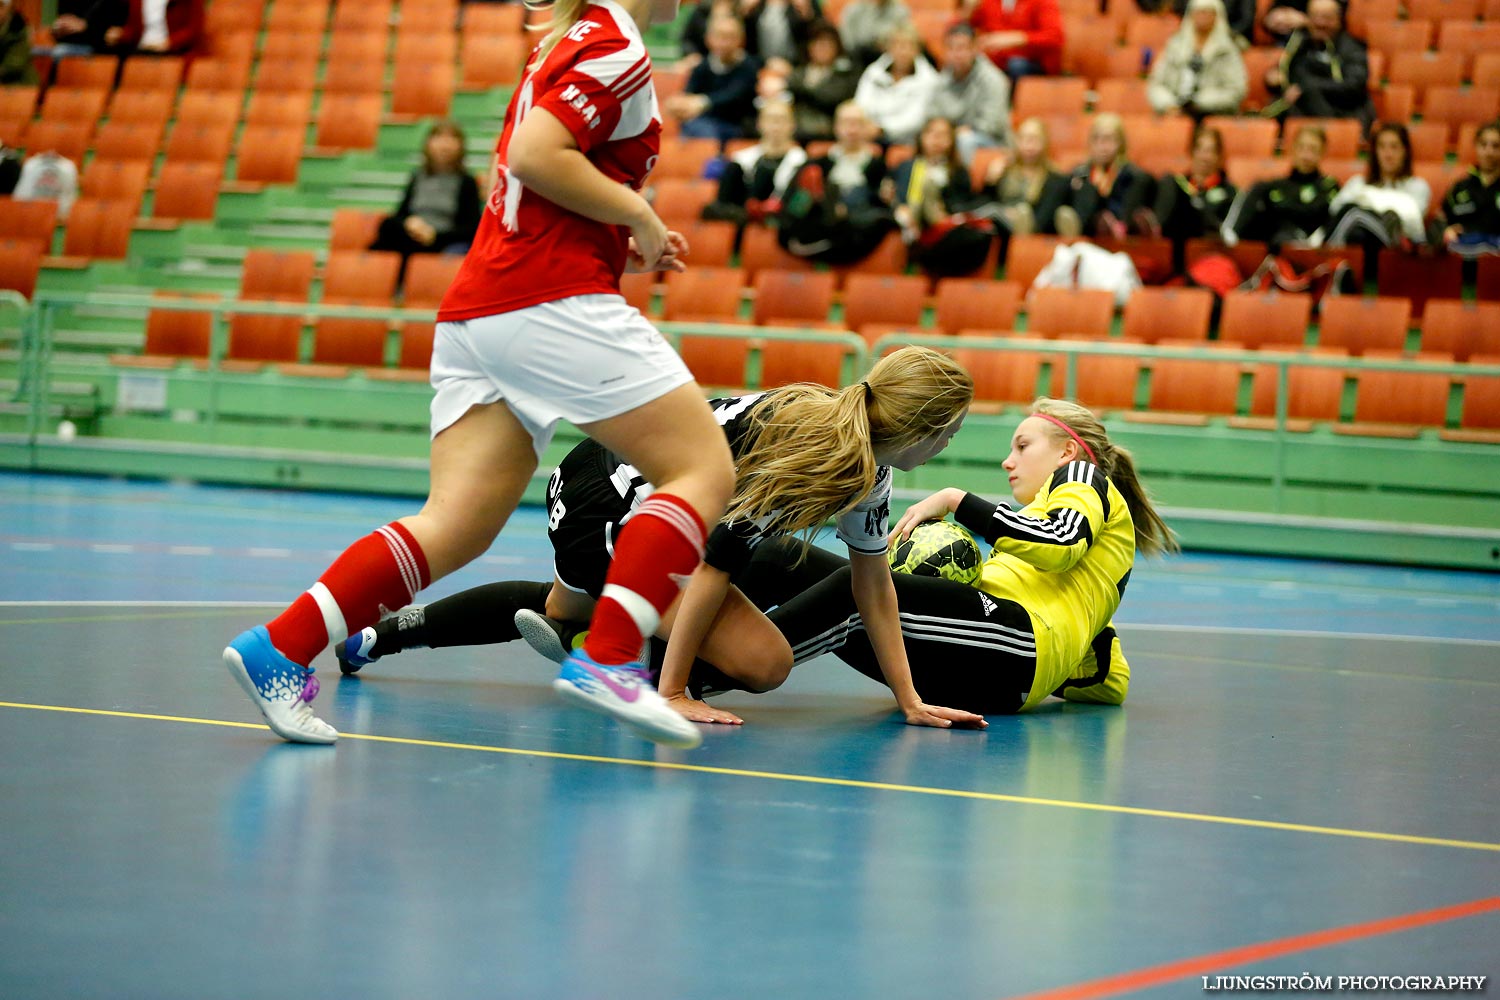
[{"x": 587, "y": 499}]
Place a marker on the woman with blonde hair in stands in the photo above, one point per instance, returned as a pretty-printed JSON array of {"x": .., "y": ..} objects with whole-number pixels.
[
  {"x": 1022, "y": 189},
  {"x": 1038, "y": 620},
  {"x": 803, "y": 454},
  {"x": 1200, "y": 70},
  {"x": 532, "y": 331}
]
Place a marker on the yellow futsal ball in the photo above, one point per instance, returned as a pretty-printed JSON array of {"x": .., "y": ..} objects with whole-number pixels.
[{"x": 938, "y": 548}]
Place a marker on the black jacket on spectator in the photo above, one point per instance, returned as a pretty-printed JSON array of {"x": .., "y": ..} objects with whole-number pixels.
[
  {"x": 731, "y": 94},
  {"x": 1185, "y": 212},
  {"x": 696, "y": 27},
  {"x": 815, "y": 103},
  {"x": 836, "y": 224},
  {"x": 1334, "y": 76},
  {"x": 1472, "y": 205},
  {"x": 1132, "y": 189},
  {"x": 751, "y": 188},
  {"x": 1285, "y": 210}
]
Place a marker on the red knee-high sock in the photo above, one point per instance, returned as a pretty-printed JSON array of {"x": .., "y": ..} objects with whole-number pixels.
[
  {"x": 382, "y": 571},
  {"x": 657, "y": 551}
]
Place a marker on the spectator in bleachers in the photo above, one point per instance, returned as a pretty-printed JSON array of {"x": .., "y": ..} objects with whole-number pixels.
[
  {"x": 1283, "y": 18},
  {"x": 972, "y": 93},
  {"x": 1106, "y": 193},
  {"x": 15, "y": 47},
  {"x": 1470, "y": 217},
  {"x": 10, "y": 169},
  {"x": 1289, "y": 209},
  {"x": 1194, "y": 204},
  {"x": 1022, "y": 190},
  {"x": 930, "y": 196},
  {"x": 834, "y": 213},
  {"x": 864, "y": 25},
  {"x": 1240, "y": 15},
  {"x": 1385, "y": 207},
  {"x": 720, "y": 97},
  {"x": 80, "y": 25},
  {"x": 1022, "y": 37},
  {"x": 776, "y": 31},
  {"x": 895, "y": 89},
  {"x": 1324, "y": 71},
  {"x": 818, "y": 86},
  {"x": 158, "y": 27},
  {"x": 440, "y": 208},
  {"x": 756, "y": 179},
  {"x": 48, "y": 176},
  {"x": 1200, "y": 70}
]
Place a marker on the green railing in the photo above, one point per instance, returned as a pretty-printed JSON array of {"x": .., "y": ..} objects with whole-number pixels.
[{"x": 1271, "y": 489}]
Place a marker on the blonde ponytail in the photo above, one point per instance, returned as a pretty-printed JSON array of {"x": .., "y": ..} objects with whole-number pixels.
[
  {"x": 810, "y": 452},
  {"x": 1152, "y": 535}
]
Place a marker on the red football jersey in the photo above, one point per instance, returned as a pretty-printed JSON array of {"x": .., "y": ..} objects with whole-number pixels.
[{"x": 528, "y": 250}]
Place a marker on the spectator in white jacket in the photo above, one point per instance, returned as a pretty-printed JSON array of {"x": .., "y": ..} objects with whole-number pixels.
[
  {"x": 1200, "y": 70},
  {"x": 1388, "y": 205},
  {"x": 895, "y": 89},
  {"x": 972, "y": 93}
]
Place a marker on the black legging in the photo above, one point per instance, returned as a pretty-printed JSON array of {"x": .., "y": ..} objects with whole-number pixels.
[{"x": 967, "y": 649}]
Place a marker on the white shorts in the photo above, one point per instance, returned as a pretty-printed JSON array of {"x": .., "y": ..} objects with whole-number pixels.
[{"x": 579, "y": 359}]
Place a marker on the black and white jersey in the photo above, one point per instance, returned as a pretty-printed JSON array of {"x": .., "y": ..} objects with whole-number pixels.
[{"x": 863, "y": 527}]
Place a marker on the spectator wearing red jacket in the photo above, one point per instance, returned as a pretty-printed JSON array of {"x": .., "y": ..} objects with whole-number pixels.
[
  {"x": 158, "y": 26},
  {"x": 1022, "y": 37}
]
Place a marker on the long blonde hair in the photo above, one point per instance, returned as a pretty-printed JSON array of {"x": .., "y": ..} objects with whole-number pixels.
[
  {"x": 810, "y": 450},
  {"x": 1152, "y": 536},
  {"x": 565, "y": 14}
]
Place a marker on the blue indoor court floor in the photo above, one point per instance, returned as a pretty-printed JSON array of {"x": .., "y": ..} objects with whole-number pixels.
[{"x": 1302, "y": 781}]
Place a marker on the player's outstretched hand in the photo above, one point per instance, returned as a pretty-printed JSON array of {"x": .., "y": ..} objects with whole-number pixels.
[
  {"x": 702, "y": 711},
  {"x": 938, "y": 506},
  {"x": 943, "y": 718}
]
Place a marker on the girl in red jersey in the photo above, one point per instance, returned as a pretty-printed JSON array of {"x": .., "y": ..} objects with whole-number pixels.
[{"x": 533, "y": 331}]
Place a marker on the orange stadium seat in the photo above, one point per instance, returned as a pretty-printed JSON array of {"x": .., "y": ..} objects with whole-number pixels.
[
  {"x": 1123, "y": 97},
  {"x": 759, "y": 251},
  {"x": 1054, "y": 311},
  {"x": 875, "y": 300},
  {"x": 187, "y": 190},
  {"x": 269, "y": 154},
  {"x": 888, "y": 257},
  {"x": 1008, "y": 376},
  {"x": 492, "y": 60},
  {"x": 1392, "y": 37},
  {"x": 156, "y": 73},
  {"x": 1345, "y": 136},
  {"x": 292, "y": 46},
  {"x": 716, "y": 361},
  {"x": 361, "y": 47},
  {"x": 150, "y": 107},
  {"x": 704, "y": 294},
  {"x": 98, "y": 228},
  {"x": 1358, "y": 324},
  {"x": 361, "y": 17},
  {"x": 116, "y": 180},
  {"x": 278, "y": 275},
  {"x": 785, "y": 361},
  {"x": 1043, "y": 95},
  {"x": 1265, "y": 319},
  {"x": 87, "y": 72},
  {"x": 361, "y": 277},
  {"x": 680, "y": 201},
  {"x": 1481, "y": 406},
  {"x": 353, "y": 228},
  {"x": 1026, "y": 256},
  {"x": 1245, "y": 136},
  {"x": 20, "y": 263},
  {"x": 710, "y": 244},
  {"x": 286, "y": 76},
  {"x": 175, "y": 333},
  {"x": 27, "y": 220},
  {"x": 1486, "y": 72},
  {"x": 218, "y": 74},
  {"x": 348, "y": 121},
  {"x": 428, "y": 276},
  {"x": 422, "y": 89},
  {"x": 1462, "y": 329},
  {"x": 1391, "y": 397},
  {"x": 1424, "y": 70},
  {"x": 190, "y": 143},
  {"x": 284, "y": 110},
  {"x": 209, "y": 108},
  {"x": 639, "y": 290},
  {"x": 1087, "y": 44},
  {"x": 74, "y": 105},
  {"x": 969, "y": 304},
  {"x": 1153, "y": 313},
  {"x": 416, "y": 346},
  {"x": 67, "y": 139},
  {"x": 1106, "y": 382},
  {"x": 1312, "y": 393},
  {"x": 493, "y": 19},
  {"x": 1442, "y": 10},
  {"x": 792, "y": 298},
  {"x": 1183, "y": 385},
  {"x": 354, "y": 76},
  {"x": 1456, "y": 106},
  {"x": 345, "y": 341},
  {"x": 1150, "y": 32}
]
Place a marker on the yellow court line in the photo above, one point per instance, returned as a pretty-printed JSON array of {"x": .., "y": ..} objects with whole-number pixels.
[{"x": 809, "y": 779}]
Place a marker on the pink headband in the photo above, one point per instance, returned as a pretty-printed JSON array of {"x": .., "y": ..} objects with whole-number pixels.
[{"x": 1069, "y": 431}]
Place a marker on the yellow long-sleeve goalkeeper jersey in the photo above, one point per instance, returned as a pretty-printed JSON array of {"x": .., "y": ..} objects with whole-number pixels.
[{"x": 1065, "y": 557}]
